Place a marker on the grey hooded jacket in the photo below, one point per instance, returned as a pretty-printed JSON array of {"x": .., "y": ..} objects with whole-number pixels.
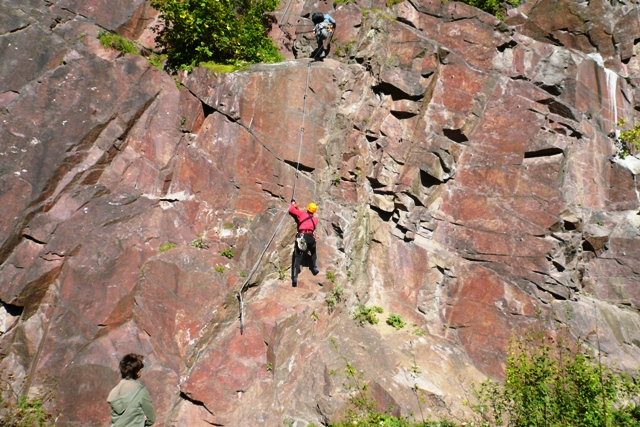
[{"x": 131, "y": 405}]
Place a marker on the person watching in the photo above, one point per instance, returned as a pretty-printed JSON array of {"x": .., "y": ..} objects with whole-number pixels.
[{"x": 129, "y": 400}]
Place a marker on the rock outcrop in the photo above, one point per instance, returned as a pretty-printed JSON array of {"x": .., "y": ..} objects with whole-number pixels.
[{"x": 466, "y": 175}]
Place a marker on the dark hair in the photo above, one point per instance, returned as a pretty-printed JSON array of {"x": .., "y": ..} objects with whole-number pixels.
[
  {"x": 317, "y": 17},
  {"x": 130, "y": 365}
]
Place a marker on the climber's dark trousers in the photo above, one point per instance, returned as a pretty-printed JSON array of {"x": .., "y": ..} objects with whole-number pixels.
[
  {"x": 321, "y": 52},
  {"x": 298, "y": 255}
]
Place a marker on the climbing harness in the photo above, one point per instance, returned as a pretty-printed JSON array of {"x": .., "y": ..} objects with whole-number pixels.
[{"x": 239, "y": 295}]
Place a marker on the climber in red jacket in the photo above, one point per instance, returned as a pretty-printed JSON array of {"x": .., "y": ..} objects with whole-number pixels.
[{"x": 305, "y": 239}]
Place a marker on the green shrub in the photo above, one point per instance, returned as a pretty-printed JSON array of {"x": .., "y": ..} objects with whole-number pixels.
[
  {"x": 349, "y": 45},
  {"x": 331, "y": 276},
  {"x": 365, "y": 314},
  {"x": 417, "y": 331},
  {"x": 628, "y": 139},
  {"x": 376, "y": 419},
  {"x": 166, "y": 246},
  {"x": 490, "y": 6},
  {"x": 199, "y": 243},
  {"x": 156, "y": 59},
  {"x": 335, "y": 297},
  {"x": 362, "y": 412},
  {"x": 390, "y": 3},
  {"x": 227, "y": 253},
  {"x": 554, "y": 383},
  {"x": 223, "y": 31},
  {"x": 27, "y": 412},
  {"x": 396, "y": 321},
  {"x": 117, "y": 42},
  {"x": 220, "y": 268}
]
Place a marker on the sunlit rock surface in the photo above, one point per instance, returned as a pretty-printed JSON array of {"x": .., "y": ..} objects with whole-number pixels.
[{"x": 464, "y": 169}]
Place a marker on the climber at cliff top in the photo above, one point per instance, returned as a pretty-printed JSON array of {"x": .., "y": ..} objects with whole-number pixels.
[
  {"x": 323, "y": 29},
  {"x": 305, "y": 239}
]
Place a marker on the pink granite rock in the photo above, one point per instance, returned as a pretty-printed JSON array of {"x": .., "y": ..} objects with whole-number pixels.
[{"x": 464, "y": 170}]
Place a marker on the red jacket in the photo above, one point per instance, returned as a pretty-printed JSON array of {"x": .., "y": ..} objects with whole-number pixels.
[{"x": 305, "y": 220}]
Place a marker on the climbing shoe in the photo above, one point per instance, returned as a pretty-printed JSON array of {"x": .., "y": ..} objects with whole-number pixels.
[
  {"x": 294, "y": 283},
  {"x": 315, "y": 271}
]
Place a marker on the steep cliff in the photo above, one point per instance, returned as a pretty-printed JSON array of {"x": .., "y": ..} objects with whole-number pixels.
[{"x": 464, "y": 169}]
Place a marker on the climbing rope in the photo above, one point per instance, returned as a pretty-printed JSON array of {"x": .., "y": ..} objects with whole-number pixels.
[
  {"x": 284, "y": 16},
  {"x": 304, "y": 111},
  {"x": 239, "y": 295}
]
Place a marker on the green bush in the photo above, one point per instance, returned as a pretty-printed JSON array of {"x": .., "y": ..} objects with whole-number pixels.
[
  {"x": 365, "y": 314},
  {"x": 117, "y": 42},
  {"x": 227, "y": 253},
  {"x": 200, "y": 243},
  {"x": 156, "y": 59},
  {"x": 396, "y": 321},
  {"x": 628, "y": 139},
  {"x": 331, "y": 276},
  {"x": 391, "y": 3},
  {"x": 27, "y": 412},
  {"x": 223, "y": 31},
  {"x": 491, "y": 6},
  {"x": 376, "y": 419},
  {"x": 335, "y": 297},
  {"x": 554, "y": 383}
]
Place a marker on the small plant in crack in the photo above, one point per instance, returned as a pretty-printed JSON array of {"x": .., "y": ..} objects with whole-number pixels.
[
  {"x": 282, "y": 273},
  {"x": 166, "y": 246},
  {"x": 199, "y": 243},
  {"x": 364, "y": 314},
  {"x": 396, "y": 321},
  {"x": 331, "y": 276},
  {"x": 227, "y": 253},
  {"x": 335, "y": 297}
]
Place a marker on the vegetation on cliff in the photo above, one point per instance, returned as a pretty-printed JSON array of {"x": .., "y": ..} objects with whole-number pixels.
[
  {"x": 554, "y": 382},
  {"x": 222, "y": 31},
  {"x": 494, "y": 7},
  {"x": 549, "y": 382},
  {"x": 628, "y": 140},
  {"x": 25, "y": 412}
]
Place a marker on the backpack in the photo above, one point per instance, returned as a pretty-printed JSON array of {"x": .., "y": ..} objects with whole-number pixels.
[
  {"x": 323, "y": 25},
  {"x": 322, "y": 30}
]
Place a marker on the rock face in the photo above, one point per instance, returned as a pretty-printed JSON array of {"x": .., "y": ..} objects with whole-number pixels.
[{"x": 464, "y": 169}]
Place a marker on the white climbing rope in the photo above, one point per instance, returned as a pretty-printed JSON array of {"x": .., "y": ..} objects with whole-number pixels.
[{"x": 239, "y": 295}]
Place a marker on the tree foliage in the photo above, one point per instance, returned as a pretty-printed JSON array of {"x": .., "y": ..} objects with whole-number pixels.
[
  {"x": 224, "y": 31},
  {"x": 553, "y": 383},
  {"x": 628, "y": 140}
]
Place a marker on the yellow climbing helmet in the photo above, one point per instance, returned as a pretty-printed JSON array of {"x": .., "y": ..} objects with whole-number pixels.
[{"x": 312, "y": 207}]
